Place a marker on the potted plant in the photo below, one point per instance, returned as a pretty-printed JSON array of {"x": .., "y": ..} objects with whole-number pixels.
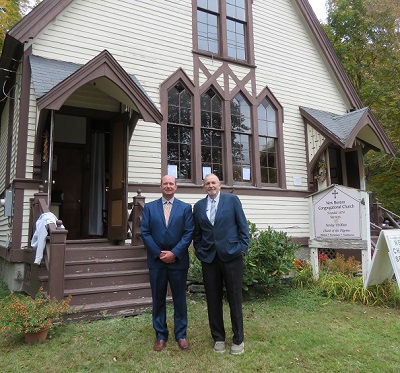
[{"x": 33, "y": 316}]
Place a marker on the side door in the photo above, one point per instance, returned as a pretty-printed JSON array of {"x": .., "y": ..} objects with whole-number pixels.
[{"x": 117, "y": 195}]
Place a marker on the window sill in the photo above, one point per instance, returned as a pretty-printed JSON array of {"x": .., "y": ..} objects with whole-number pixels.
[{"x": 223, "y": 59}]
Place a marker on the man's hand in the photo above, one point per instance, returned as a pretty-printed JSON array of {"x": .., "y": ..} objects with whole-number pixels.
[{"x": 167, "y": 256}]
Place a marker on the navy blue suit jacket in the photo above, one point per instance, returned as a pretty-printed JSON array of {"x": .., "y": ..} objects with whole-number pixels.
[
  {"x": 229, "y": 236},
  {"x": 176, "y": 237}
]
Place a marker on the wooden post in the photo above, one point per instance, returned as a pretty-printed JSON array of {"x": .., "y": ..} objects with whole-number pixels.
[
  {"x": 56, "y": 254},
  {"x": 136, "y": 218}
]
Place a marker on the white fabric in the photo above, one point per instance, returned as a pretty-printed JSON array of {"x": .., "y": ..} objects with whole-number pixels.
[{"x": 38, "y": 241}]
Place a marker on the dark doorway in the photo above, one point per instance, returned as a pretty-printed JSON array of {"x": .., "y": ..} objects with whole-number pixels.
[{"x": 80, "y": 175}]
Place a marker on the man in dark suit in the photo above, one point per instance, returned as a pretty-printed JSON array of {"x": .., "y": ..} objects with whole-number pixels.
[
  {"x": 167, "y": 230},
  {"x": 221, "y": 238}
]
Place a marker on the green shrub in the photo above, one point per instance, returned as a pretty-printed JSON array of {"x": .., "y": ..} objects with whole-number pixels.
[
  {"x": 269, "y": 259},
  {"x": 195, "y": 273}
]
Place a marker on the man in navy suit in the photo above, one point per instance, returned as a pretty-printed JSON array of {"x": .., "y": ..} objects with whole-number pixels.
[
  {"x": 167, "y": 230},
  {"x": 221, "y": 239}
]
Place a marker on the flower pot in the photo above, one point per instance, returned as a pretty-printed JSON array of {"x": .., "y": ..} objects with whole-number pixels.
[{"x": 41, "y": 335}]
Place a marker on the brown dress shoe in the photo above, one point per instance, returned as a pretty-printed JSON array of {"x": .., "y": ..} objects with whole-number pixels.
[
  {"x": 159, "y": 345},
  {"x": 183, "y": 344}
]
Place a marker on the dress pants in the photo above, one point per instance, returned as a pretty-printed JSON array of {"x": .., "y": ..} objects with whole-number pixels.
[
  {"x": 215, "y": 275},
  {"x": 159, "y": 279}
]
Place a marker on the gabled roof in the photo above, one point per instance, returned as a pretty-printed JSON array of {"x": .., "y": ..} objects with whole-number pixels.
[
  {"x": 55, "y": 81},
  {"x": 344, "y": 129}
]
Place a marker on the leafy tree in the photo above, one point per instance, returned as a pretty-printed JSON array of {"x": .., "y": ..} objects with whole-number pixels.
[
  {"x": 11, "y": 11},
  {"x": 366, "y": 37}
]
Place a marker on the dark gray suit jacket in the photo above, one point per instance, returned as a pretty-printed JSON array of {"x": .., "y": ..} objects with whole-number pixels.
[{"x": 229, "y": 236}]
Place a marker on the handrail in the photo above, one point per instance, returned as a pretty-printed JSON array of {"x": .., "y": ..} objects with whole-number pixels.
[
  {"x": 135, "y": 218},
  {"x": 55, "y": 262}
]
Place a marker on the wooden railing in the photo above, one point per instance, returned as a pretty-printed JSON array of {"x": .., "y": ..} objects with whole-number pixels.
[
  {"x": 382, "y": 218},
  {"x": 55, "y": 248},
  {"x": 135, "y": 218}
]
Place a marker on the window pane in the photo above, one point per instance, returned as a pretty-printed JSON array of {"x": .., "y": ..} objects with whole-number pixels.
[
  {"x": 172, "y": 134},
  {"x": 185, "y": 171},
  {"x": 207, "y": 31},
  {"x": 235, "y": 38},
  {"x": 185, "y": 135},
  {"x": 185, "y": 117},
  {"x": 179, "y": 134},
  {"x": 240, "y": 114},
  {"x": 208, "y": 4}
]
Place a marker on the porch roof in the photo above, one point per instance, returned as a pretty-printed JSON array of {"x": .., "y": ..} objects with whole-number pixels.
[
  {"x": 47, "y": 73},
  {"x": 346, "y": 128}
]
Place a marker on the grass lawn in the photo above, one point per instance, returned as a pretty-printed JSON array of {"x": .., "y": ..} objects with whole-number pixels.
[{"x": 299, "y": 331}]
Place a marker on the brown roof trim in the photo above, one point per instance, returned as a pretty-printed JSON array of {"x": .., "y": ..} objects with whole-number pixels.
[
  {"x": 103, "y": 65},
  {"x": 36, "y": 20}
]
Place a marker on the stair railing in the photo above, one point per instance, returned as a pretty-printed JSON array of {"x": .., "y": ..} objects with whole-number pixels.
[
  {"x": 379, "y": 215},
  {"x": 55, "y": 248},
  {"x": 135, "y": 218}
]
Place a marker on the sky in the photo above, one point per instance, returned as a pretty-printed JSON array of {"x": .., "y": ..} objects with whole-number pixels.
[{"x": 319, "y": 8}]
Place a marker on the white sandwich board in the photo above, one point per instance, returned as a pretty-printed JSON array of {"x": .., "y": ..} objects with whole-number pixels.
[{"x": 386, "y": 259}]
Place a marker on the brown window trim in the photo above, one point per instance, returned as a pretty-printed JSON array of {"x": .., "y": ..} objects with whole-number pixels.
[{"x": 222, "y": 37}]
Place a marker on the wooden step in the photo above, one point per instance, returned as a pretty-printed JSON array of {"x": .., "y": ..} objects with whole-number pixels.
[
  {"x": 98, "y": 279},
  {"x": 105, "y": 265},
  {"x": 119, "y": 308},
  {"x": 103, "y": 252},
  {"x": 103, "y": 294}
]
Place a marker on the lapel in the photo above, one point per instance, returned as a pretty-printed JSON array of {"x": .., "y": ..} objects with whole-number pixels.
[{"x": 220, "y": 205}]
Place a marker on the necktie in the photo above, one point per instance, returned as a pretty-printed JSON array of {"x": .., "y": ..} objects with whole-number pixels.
[
  {"x": 212, "y": 211},
  {"x": 167, "y": 211}
]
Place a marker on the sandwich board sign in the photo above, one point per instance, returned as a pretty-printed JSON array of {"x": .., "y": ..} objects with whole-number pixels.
[{"x": 386, "y": 260}]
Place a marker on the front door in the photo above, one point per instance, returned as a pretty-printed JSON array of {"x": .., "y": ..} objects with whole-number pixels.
[
  {"x": 66, "y": 198},
  {"x": 117, "y": 196}
]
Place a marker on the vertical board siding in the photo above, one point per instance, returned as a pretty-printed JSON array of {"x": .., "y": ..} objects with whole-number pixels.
[
  {"x": 16, "y": 115},
  {"x": 32, "y": 125}
]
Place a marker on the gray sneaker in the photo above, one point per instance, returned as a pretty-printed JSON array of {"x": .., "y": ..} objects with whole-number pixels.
[
  {"x": 219, "y": 346},
  {"x": 237, "y": 349}
]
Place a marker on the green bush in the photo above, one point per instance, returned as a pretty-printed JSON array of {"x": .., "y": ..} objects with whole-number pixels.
[{"x": 269, "y": 259}]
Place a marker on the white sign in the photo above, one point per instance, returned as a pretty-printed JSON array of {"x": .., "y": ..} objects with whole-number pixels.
[
  {"x": 337, "y": 215},
  {"x": 173, "y": 170},
  {"x": 386, "y": 259}
]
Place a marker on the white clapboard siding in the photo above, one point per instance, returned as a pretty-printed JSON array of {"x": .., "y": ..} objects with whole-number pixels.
[
  {"x": 290, "y": 65},
  {"x": 147, "y": 42},
  {"x": 5, "y": 115},
  {"x": 288, "y": 215},
  {"x": 144, "y": 164},
  {"x": 88, "y": 96}
]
